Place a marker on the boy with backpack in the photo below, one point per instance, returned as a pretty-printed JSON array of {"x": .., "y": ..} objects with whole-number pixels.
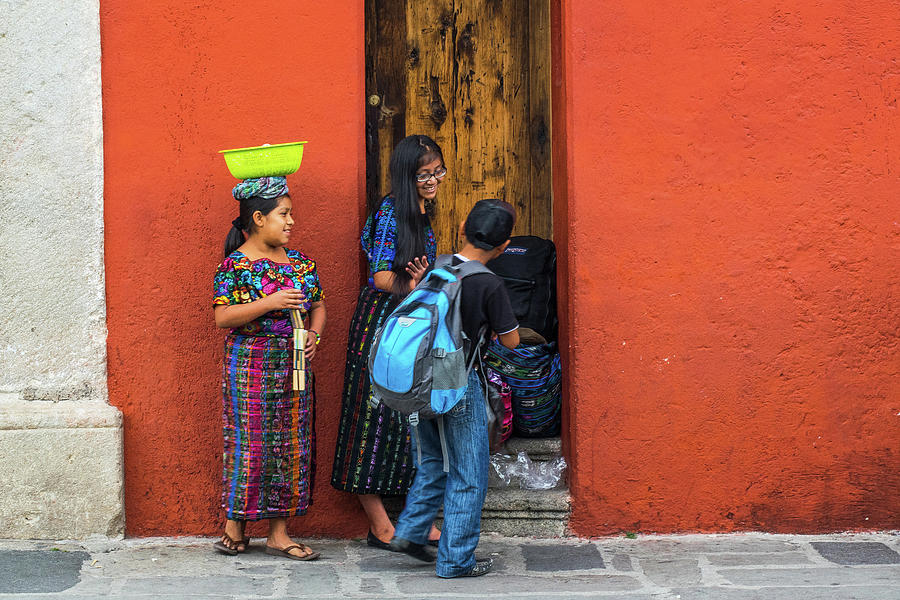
[{"x": 483, "y": 307}]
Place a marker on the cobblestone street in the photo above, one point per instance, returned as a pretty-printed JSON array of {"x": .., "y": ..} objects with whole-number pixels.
[{"x": 691, "y": 567}]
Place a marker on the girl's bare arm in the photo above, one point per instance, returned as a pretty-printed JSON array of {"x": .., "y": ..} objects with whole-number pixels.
[
  {"x": 317, "y": 324},
  {"x": 384, "y": 280}
]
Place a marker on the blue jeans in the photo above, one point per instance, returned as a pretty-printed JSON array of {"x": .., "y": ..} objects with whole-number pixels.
[{"x": 461, "y": 491}]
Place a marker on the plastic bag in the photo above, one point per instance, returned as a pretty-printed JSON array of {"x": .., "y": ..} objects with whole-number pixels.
[
  {"x": 530, "y": 475},
  {"x": 504, "y": 469}
]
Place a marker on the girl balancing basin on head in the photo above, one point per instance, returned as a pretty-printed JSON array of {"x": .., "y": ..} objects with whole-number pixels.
[
  {"x": 372, "y": 453},
  {"x": 268, "y": 389}
]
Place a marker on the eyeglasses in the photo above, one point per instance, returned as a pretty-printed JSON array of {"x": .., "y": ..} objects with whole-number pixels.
[{"x": 438, "y": 174}]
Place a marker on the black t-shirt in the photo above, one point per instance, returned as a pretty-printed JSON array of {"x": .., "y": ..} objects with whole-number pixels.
[{"x": 484, "y": 300}]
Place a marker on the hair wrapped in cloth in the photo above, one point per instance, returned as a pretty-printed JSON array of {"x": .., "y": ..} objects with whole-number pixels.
[{"x": 263, "y": 187}]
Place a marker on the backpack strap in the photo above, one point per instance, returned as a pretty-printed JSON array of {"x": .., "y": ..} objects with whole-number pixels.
[
  {"x": 443, "y": 438},
  {"x": 476, "y": 345},
  {"x": 443, "y": 260},
  {"x": 461, "y": 271},
  {"x": 470, "y": 267},
  {"x": 473, "y": 267},
  {"x": 414, "y": 429}
]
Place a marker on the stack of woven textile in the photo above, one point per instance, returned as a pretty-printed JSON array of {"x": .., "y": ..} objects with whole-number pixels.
[{"x": 534, "y": 374}]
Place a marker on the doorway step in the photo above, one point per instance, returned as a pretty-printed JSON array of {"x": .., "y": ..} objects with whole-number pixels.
[{"x": 512, "y": 511}]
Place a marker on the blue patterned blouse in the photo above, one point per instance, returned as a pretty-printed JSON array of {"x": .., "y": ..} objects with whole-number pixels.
[{"x": 380, "y": 249}]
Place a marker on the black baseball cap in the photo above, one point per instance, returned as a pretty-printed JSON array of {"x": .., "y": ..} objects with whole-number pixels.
[{"x": 490, "y": 223}]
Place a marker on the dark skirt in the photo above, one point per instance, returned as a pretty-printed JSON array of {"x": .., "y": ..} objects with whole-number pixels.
[
  {"x": 372, "y": 454},
  {"x": 269, "y": 431}
]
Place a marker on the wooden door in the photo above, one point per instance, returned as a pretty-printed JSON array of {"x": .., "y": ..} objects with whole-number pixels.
[{"x": 475, "y": 76}]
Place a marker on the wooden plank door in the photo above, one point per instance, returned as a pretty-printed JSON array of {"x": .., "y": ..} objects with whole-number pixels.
[{"x": 475, "y": 76}]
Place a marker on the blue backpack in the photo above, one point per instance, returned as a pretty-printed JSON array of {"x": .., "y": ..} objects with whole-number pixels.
[{"x": 420, "y": 358}]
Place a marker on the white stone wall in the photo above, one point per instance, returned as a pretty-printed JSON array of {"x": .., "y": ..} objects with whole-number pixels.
[
  {"x": 52, "y": 305},
  {"x": 55, "y": 424}
]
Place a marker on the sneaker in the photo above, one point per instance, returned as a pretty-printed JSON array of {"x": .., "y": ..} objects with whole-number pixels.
[
  {"x": 481, "y": 567},
  {"x": 413, "y": 549}
]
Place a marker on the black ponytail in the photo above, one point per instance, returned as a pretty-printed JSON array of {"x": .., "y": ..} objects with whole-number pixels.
[
  {"x": 243, "y": 223},
  {"x": 234, "y": 239}
]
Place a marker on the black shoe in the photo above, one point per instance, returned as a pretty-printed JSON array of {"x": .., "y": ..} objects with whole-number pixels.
[
  {"x": 481, "y": 567},
  {"x": 376, "y": 543},
  {"x": 413, "y": 549},
  {"x": 434, "y": 543}
]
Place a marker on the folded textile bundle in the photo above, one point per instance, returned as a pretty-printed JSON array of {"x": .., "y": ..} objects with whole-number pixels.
[
  {"x": 534, "y": 374},
  {"x": 298, "y": 374}
]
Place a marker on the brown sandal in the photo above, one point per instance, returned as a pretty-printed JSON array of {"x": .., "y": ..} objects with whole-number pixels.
[
  {"x": 286, "y": 552},
  {"x": 228, "y": 545}
]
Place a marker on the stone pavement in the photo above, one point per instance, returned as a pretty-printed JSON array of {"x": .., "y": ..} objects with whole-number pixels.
[{"x": 689, "y": 567}]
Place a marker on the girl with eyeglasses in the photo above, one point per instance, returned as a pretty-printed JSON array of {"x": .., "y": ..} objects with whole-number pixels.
[{"x": 372, "y": 453}]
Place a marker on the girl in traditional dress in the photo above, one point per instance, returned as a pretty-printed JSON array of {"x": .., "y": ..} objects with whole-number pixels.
[
  {"x": 372, "y": 457},
  {"x": 267, "y": 425}
]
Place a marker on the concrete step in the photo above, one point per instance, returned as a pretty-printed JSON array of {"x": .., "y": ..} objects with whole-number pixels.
[
  {"x": 513, "y": 511},
  {"x": 538, "y": 449},
  {"x": 536, "y": 513}
]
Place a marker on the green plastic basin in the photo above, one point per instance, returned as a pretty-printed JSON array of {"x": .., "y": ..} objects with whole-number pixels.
[{"x": 264, "y": 161}]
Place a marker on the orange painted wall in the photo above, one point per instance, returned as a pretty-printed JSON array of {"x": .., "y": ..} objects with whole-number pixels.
[
  {"x": 181, "y": 81},
  {"x": 725, "y": 204},
  {"x": 732, "y": 188}
]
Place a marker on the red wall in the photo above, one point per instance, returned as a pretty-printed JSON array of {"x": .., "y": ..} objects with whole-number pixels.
[
  {"x": 732, "y": 187},
  {"x": 725, "y": 206},
  {"x": 182, "y": 81}
]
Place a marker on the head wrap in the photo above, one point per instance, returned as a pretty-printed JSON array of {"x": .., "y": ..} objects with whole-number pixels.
[{"x": 264, "y": 187}]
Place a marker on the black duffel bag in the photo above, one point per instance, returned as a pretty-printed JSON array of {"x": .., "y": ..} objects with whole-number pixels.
[{"x": 528, "y": 268}]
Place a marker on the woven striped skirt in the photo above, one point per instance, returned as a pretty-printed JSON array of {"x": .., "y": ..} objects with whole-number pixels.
[
  {"x": 372, "y": 452},
  {"x": 269, "y": 431}
]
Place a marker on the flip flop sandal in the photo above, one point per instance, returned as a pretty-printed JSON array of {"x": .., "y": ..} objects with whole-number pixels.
[
  {"x": 285, "y": 552},
  {"x": 223, "y": 546}
]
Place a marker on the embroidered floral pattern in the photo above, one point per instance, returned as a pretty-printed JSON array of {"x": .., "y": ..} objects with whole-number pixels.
[
  {"x": 240, "y": 280},
  {"x": 379, "y": 248}
]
